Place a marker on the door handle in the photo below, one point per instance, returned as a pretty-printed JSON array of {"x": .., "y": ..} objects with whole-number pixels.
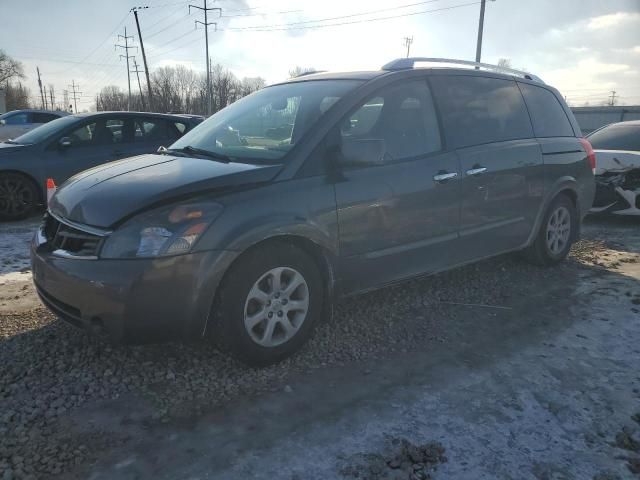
[
  {"x": 476, "y": 171},
  {"x": 443, "y": 177}
]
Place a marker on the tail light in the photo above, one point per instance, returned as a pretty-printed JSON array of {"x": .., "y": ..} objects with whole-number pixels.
[{"x": 591, "y": 154}]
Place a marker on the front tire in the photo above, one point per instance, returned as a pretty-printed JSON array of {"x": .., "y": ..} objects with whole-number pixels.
[
  {"x": 268, "y": 304},
  {"x": 557, "y": 233},
  {"x": 18, "y": 196}
]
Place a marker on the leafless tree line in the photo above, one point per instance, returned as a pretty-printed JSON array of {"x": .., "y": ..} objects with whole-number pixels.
[
  {"x": 182, "y": 90},
  {"x": 11, "y": 72}
]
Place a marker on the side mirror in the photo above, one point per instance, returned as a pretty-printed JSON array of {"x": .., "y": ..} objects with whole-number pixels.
[
  {"x": 64, "y": 142},
  {"x": 362, "y": 152}
]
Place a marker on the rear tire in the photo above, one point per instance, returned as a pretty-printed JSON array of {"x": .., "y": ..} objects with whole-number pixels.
[
  {"x": 268, "y": 304},
  {"x": 18, "y": 196},
  {"x": 557, "y": 233}
]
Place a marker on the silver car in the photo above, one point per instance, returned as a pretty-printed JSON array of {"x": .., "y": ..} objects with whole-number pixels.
[{"x": 15, "y": 123}]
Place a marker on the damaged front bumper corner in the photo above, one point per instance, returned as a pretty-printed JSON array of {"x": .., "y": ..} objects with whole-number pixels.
[{"x": 617, "y": 185}]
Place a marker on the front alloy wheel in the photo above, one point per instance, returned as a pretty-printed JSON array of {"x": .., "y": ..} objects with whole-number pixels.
[
  {"x": 276, "y": 306},
  {"x": 268, "y": 304}
]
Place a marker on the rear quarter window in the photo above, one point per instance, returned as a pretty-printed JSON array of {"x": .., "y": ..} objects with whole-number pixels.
[
  {"x": 617, "y": 137},
  {"x": 43, "y": 117},
  {"x": 547, "y": 115},
  {"x": 478, "y": 110}
]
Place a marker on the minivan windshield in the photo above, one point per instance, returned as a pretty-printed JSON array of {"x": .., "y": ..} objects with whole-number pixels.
[
  {"x": 265, "y": 125},
  {"x": 43, "y": 132}
]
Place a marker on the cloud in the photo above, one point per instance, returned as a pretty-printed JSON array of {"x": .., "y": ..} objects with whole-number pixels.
[
  {"x": 612, "y": 20},
  {"x": 578, "y": 49}
]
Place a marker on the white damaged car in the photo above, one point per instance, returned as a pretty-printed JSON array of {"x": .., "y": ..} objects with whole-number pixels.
[{"x": 617, "y": 148}]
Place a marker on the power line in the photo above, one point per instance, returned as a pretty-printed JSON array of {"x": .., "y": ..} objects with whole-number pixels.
[
  {"x": 137, "y": 72},
  {"x": 206, "y": 24},
  {"x": 126, "y": 47},
  {"x": 268, "y": 28},
  {"x": 407, "y": 43},
  {"x": 144, "y": 59},
  {"x": 75, "y": 94},
  {"x": 340, "y": 17}
]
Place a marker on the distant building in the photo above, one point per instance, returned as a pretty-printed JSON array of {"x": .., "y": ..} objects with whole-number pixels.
[{"x": 592, "y": 118}]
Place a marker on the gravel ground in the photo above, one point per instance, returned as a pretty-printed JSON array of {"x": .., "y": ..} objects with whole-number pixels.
[{"x": 53, "y": 374}]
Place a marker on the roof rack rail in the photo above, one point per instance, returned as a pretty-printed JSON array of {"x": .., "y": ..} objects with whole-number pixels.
[{"x": 406, "y": 63}]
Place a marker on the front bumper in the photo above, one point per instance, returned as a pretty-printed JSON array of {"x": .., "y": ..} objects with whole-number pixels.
[{"x": 131, "y": 300}]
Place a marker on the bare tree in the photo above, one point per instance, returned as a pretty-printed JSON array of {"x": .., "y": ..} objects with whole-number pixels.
[
  {"x": 9, "y": 68},
  {"x": 111, "y": 98},
  {"x": 298, "y": 70},
  {"x": 504, "y": 62},
  {"x": 248, "y": 85},
  {"x": 225, "y": 87},
  {"x": 180, "y": 89},
  {"x": 17, "y": 96}
]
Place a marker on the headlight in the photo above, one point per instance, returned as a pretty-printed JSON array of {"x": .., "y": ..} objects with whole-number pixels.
[{"x": 165, "y": 231}]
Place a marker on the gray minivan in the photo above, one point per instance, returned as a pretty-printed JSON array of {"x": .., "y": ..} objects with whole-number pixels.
[{"x": 247, "y": 228}]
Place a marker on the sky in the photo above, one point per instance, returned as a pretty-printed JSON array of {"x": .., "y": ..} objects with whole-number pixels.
[{"x": 585, "y": 48}]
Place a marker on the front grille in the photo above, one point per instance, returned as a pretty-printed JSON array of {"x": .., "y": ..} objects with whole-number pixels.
[{"x": 70, "y": 240}]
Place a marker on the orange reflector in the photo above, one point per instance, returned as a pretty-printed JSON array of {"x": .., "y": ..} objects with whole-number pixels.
[{"x": 51, "y": 188}]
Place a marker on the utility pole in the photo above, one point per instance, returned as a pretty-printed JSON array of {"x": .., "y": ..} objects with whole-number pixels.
[
  {"x": 612, "y": 98},
  {"x": 127, "y": 57},
  {"x": 137, "y": 72},
  {"x": 65, "y": 99},
  {"x": 40, "y": 85},
  {"x": 144, "y": 57},
  {"x": 51, "y": 97},
  {"x": 75, "y": 95},
  {"x": 480, "y": 29},
  {"x": 407, "y": 43},
  {"x": 206, "y": 24}
]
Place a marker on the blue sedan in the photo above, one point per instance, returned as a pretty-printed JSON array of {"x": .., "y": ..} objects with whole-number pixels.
[{"x": 61, "y": 148}]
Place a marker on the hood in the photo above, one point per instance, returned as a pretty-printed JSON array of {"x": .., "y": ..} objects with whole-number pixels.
[{"x": 103, "y": 195}]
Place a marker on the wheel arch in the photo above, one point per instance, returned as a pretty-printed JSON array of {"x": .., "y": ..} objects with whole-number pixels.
[
  {"x": 563, "y": 186},
  {"x": 321, "y": 255}
]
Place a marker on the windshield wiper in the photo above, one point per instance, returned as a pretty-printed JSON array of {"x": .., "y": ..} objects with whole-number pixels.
[
  {"x": 199, "y": 151},
  {"x": 12, "y": 142}
]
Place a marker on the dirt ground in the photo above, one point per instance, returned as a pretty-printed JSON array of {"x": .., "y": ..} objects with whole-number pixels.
[{"x": 495, "y": 370}]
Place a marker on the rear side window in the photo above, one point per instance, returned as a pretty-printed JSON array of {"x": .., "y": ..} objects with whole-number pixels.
[
  {"x": 477, "y": 110},
  {"x": 617, "y": 137},
  {"x": 43, "y": 117},
  {"x": 150, "y": 130},
  {"x": 548, "y": 117}
]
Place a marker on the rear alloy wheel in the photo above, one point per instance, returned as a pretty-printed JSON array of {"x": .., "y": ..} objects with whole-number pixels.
[
  {"x": 557, "y": 233},
  {"x": 18, "y": 196},
  {"x": 558, "y": 230},
  {"x": 268, "y": 304}
]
